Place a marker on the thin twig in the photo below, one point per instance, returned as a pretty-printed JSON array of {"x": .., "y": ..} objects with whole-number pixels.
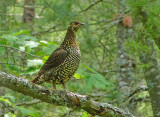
[
  {"x": 8, "y": 107},
  {"x": 91, "y": 6},
  {"x": 46, "y": 31},
  {"x": 42, "y": 32},
  {"x": 11, "y": 109},
  {"x": 110, "y": 25},
  {"x": 140, "y": 99},
  {"x": 19, "y": 50},
  {"x": 130, "y": 97},
  {"x": 139, "y": 89},
  {"x": 11, "y": 64}
]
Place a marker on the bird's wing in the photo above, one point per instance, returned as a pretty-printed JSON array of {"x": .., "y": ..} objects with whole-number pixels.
[{"x": 55, "y": 59}]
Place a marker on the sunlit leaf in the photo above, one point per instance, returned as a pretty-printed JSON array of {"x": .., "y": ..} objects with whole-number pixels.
[
  {"x": 21, "y": 32},
  {"x": 84, "y": 114}
]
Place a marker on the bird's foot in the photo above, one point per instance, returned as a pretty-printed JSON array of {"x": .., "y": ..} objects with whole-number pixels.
[{"x": 52, "y": 89}]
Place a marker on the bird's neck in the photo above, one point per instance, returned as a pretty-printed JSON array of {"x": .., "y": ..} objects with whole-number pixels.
[{"x": 70, "y": 39}]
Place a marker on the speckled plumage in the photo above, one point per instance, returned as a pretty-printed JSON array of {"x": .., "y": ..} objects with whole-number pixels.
[{"x": 64, "y": 61}]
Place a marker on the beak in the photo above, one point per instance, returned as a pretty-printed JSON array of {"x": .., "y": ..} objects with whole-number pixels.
[{"x": 82, "y": 24}]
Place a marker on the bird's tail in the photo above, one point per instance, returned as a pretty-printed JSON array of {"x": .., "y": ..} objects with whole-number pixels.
[{"x": 37, "y": 80}]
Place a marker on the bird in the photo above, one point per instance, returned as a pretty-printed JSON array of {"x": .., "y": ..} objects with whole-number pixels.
[{"x": 63, "y": 62}]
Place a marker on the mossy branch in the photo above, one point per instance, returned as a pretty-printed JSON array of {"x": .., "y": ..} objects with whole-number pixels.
[{"x": 60, "y": 98}]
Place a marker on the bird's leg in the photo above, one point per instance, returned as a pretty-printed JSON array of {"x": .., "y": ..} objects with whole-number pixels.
[
  {"x": 54, "y": 85},
  {"x": 64, "y": 87}
]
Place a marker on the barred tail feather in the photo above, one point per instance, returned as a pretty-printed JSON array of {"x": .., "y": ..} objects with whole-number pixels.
[{"x": 37, "y": 80}]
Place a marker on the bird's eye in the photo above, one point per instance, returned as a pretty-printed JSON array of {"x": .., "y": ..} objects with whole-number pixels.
[{"x": 76, "y": 23}]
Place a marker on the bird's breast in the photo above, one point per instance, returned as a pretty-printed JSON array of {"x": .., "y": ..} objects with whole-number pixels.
[{"x": 67, "y": 69}]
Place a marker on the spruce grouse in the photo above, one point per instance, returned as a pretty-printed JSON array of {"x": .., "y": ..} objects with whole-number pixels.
[{"x": 64, "y": 61}]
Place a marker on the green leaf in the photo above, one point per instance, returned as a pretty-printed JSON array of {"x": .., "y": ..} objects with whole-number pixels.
[
  {"x": 12, "y": 98},
  {"x": 79, "y": 76},
  {"x": 84, "y": 114},
  {"x": 37, "y": 114},
  {"x": 88, "y": 68},
  {"x": 96, "y": 80},
  {"x": 14, "y": 68},
  {"x": 2, "y": 50},
  {"x": 45, "y": 58},
  {"x": 22, "y": 32},
  {"x": 25, "y": 111},
  {"x": 27, "y": 37},
  {"x": 5, "y": 100},
  {"x": 99, "y": 81},
  {"x": 88, "y": 81},
  {"x": 11, "y": 39},
  {"x": 10, "y": 115},
  {"x": 28, "y": 49}
]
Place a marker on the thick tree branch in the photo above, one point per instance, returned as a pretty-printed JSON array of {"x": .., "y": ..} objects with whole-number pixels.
[{"x": 60, "y": 98}]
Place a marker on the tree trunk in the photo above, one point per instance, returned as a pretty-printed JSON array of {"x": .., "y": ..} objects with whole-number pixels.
[
  {"x": 29, "y": 12},
  {"x": 125, "y": 63},
  {"x": 3, "y": 10},
  {"x": 151, "y": 71},
  {"x": 152, "y": 76},
  {"x": 2, "y": 108}
]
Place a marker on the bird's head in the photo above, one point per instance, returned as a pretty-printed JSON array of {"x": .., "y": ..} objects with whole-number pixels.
[{"x": 75, "y": 25}]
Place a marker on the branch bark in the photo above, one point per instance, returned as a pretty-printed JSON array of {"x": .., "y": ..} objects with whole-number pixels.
[{"x": 60, "y": 98}]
